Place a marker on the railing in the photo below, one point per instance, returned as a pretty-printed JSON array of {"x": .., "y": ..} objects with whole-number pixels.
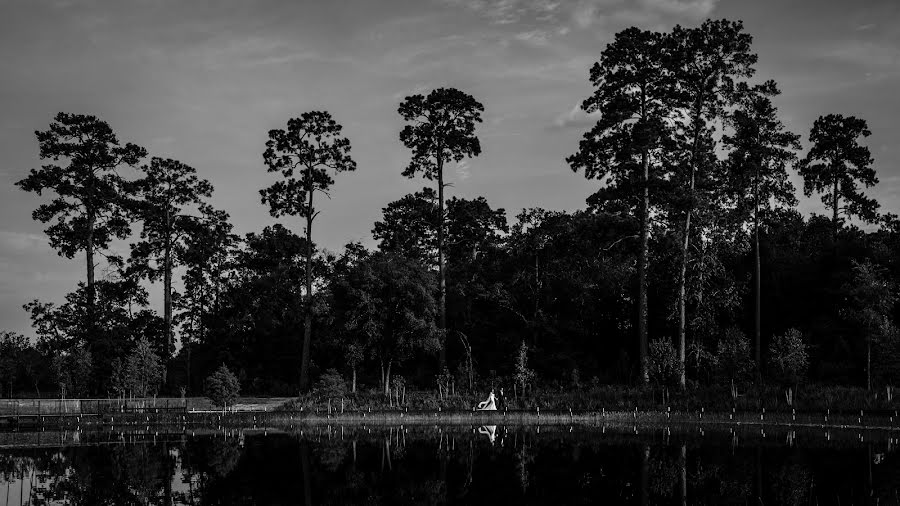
[{"x": 74, "y": 407}]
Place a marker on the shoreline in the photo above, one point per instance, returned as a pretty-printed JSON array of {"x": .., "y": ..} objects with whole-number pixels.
[{"x": 882, "y": 421}]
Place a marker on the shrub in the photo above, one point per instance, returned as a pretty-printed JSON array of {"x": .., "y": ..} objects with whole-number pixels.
[
  {"x": 788, "y": 358},
  {"x": 733, "y": 356},
  {"x": 662, "y": 363},
  {"x": 144, "y": 371},
  {"x": 331, "y": 385},
  {"x": 222, "y": 387},
  {"x": 701, "y": 363},
  {"x": 73, "y": 372},
  {"x": 523, "y": 374}
]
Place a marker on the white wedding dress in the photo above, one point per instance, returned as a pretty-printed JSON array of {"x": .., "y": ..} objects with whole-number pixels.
[{"x": 489, "y": 405}]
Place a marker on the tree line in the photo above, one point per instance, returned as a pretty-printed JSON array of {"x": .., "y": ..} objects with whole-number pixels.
[{"x": 691, "y": 243}]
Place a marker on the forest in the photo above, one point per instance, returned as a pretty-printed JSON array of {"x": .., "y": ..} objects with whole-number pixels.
[{"x": 690, "y": 265}]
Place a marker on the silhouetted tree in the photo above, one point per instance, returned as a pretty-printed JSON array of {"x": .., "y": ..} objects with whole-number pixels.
[
  {"x": 441, "y": 129},
  {"x": 757, "y": 173},
  {"x": 303, "y": 154},
  {"x": 89, "y": 202},
  {"x": 387, "y": 299},
  {"x": 837, "y": 164},
  {"x": 165, "y": 192},
  {"x": 872, "y": 297},
  {"x": 207, "y": 255},
  {"x": 707, "y": 62},
  {"x": 634, "y": 99},
  {"x": 409, "y": 226}
]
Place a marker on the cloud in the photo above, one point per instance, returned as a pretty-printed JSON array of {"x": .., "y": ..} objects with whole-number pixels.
[
  {"x": 463, "y": 170},
  {"x": 575, "y": 118},
  {"x": 686, "y": 8},
  {"x": 546, "y": 17},
  {"x": 22, "y": 243},
  {"x": 645, "y": 13},
  {"x": 504, "y": 12},
  {"x": 533, "y": 37},
  {"x": 870, "y": 55}
]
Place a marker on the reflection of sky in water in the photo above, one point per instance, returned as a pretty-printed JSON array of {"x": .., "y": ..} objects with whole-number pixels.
[{"x": 452, "y": 465}]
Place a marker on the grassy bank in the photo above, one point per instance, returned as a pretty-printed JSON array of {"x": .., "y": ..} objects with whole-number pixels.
[{"x": 808, "y": 398}]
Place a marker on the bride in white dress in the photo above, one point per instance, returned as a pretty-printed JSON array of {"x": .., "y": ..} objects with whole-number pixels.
[{"x": 490, "y": 404}]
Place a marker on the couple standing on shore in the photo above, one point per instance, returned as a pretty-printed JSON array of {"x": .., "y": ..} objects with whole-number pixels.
[{"x": 491, "y": 403}]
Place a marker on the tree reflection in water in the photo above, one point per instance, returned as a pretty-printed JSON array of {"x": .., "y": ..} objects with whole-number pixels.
[{"x": 454, "y": 465}]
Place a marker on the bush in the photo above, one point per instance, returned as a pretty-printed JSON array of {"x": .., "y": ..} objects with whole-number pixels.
[
  {"x": 144, "y": 370},
  {"x": 733, "y": 356},
  {"x": 523, "y": 374},
  {"x": 788, "y": 358},
  {"x": 331, "y": 385},
  {"x": 662, "y": 363},
  {"x": 222, "y": 387}
]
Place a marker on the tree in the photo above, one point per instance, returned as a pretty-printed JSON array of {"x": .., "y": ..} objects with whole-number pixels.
[
  {"x": 222, "y": 387},
  {"x": 663, "y": 364},
  {"x": 73, "y": 372},
  {"x": 837, "y": 164},
  {"x": 89, "y": 204},
  {"x": 12, "y": 356},
  {"x": 119, "y": 319},
  {"x": 166, "y": 189},
  {"x": 441, "y": 130},
  {"x": 886, "y": 355},
  {"x": 634, "y": 99},
  {"x": 331, "y": 385},
  {"x": 208, "y": 253},
  {"x": 409, "y": 226},
  {"x": 732, "y": 357},
  {"x": 354, "y": 355},
  {"x": 872, "y": 296},
  {"x": 706, "y": 63},
  {"x": 144, "y": 370},
  {"x": 757, "y": 172},
  {"x": 386, "y": 299},
  {"x": 303, "y": 154},
  {"x": 788, "y": 360},
  {"x": 522, "y": 374}
]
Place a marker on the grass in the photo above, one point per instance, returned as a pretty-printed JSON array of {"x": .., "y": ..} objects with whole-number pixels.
[{"x": 808, "y": 398}]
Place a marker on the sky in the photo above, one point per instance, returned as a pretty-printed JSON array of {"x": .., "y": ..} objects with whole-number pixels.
[{"x": 203, "y": 81}]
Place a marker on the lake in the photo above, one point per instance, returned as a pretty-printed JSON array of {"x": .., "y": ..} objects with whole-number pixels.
[{"x": 493, "y": 465}]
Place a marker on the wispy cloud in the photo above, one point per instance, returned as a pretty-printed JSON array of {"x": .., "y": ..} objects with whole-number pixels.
[
  {"x": 463, "y": 170},
  {"x": 546, "y": 18},
  {"x": 22, "y": 243},
  {"x": 534, "y": 37},
  {"x": 575, "y": 118},
  {"x": 870, "y": 55},
  {"x": 504, "y": 12}
]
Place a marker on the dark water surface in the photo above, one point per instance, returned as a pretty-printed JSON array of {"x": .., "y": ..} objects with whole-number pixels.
[{"x": 451, "y": 465}]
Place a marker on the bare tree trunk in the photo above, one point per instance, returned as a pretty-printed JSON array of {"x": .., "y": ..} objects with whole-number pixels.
[
  {"x": 835, "y": 216},
  {"x": 167, "y": 306},
  {"x": 682, "y": 278},
  {"x": 353, "y": 383},
  {"x": 682, "y": 296},
  {"x": 89, "y": 256},
  {"x": 757, "y": 339},
  {"x": 643, "y": 255},
  {"x": 307, "y": 303},
  {"x": 442, "y": 283},
  {"x": 868, "y": 364},
  {"x": 387, "y": 379}
]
